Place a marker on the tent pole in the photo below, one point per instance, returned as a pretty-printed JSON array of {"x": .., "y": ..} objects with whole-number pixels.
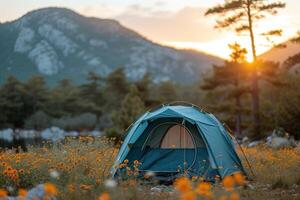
[{"x": 247, "y": 161}]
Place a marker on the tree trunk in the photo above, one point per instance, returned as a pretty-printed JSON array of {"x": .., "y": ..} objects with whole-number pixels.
[
  {"x": 255, "y": 89},
  {"x": 238, "y": 123}
]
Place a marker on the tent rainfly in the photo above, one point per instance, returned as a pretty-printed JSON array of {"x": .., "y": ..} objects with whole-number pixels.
[{"x": 176, "y": 139}]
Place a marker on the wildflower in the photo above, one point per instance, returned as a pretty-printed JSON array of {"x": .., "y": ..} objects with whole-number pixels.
[
  {"x": 234, "y": 196},
  {"x": 21, "y": 171},
  {"x": 223, "y": 197},
  {"x": 4, "y": 164},
  {"x": 190, "y": 195},
  {"x": 85, "y": 187},
  {"x": 228, "y": 183},
  {"x": 22, "y": 192},
  {"x": 239, "y": 178},
  {"x": 3, "y": 193},
  {"x": 183, "y": 184},
  {"x": 104, "y": 196},
  {"x": 50, "y": 189},
  {"x": 203, "y": 189},
  {"x": 110, "y": 183},
  {"x": 71, "y": 187}
]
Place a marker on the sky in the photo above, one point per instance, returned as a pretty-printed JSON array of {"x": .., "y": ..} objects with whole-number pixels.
[{"x": 177, "y": 23}]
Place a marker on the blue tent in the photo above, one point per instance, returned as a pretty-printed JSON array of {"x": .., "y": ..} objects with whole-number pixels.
[{"x": 176, "y": 139}]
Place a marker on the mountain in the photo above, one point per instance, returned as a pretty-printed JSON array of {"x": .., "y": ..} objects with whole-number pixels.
[
  {"x": 59, "y": 43},
  {"x": 281, "y": 54}
]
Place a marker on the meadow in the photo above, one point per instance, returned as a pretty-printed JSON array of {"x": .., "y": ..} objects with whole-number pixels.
[{"x": 79, "y": 169}]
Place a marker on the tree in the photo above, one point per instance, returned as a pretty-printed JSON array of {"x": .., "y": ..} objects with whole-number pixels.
[
  {"x": 166, "y": 92},
  {"x": 241, "y": 15},
  {"x": 116, "y": 88},
  {"x": 232, "y": 75},
  {"x": 295, "y": 59},
  {"x": 35, "y": 94},
  {"x": 131, "y": 107},
  {"x": 92, "y": 93},
  {"x": 64, "y": 99},
  {"x": 12, "y": 103},
  {"x": 144, "y": 87}
]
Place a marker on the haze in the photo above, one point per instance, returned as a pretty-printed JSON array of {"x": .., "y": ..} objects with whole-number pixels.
[{"x": 177, "y": 23}]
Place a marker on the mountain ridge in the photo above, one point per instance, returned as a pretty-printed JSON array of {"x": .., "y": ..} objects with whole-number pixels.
[{"x": 59, "y": 43}]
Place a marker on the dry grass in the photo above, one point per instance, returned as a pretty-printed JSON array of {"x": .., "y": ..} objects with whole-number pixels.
[{"x": 79, "y": 170}]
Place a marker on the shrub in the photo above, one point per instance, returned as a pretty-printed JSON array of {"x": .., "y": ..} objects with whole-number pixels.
[{"x": 39, "y": 120}]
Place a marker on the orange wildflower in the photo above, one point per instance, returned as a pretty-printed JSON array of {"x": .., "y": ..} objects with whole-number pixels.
[
  {"x": 50, "y": 189},
  {"x": 104, "y": 196},
  {"x": 234, "y": 196},
  {"x": 3, "y": 193},
  {"x": 223, "y": 197},
  {"x": 239, "y": 178},
  {"x": 183, "y": 184},
  {"x": 228, "y": 182},
  {"x": 203, "y": 189},
  {"x": 22, "y": 192},
  {"x": 190, "y": 195}
]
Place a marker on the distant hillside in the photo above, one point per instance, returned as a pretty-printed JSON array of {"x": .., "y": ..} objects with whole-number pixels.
[
  {"x": 59, "y": 43},
  {"x": 281, "y": 54}
]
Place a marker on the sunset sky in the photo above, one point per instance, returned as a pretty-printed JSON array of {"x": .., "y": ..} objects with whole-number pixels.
[{"x": 179, "y": 23}]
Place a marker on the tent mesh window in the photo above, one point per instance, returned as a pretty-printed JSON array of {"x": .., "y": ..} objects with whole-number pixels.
[{"x": 177, "y": 136}]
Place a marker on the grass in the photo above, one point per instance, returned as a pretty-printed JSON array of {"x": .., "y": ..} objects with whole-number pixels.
[{"x": 79, "y": 169}]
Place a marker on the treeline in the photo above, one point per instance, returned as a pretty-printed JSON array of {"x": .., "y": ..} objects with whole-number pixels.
[
  {"x": 113, "y": 103},
  {"x": 101, "y": 103}
]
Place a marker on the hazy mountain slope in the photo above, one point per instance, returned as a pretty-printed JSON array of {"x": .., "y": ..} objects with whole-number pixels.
[
  {"x": 59, "y": 43},
  {"x": 281, "y": 54}
]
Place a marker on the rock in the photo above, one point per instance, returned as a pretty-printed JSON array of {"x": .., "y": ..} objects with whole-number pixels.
[
  {"x": 254, "y": 143},
  {"x": 38, "y": 193},
  {"x": 250, "y": 186},
  {"x": 96, "y": 133},
  {"x": 161, "y": 188},
  {"x": 7, "y": 135},
  {"x": 71, "y": 133},
  {"x": 280, "y": 142},
  {"x": 54, "y": 134}
]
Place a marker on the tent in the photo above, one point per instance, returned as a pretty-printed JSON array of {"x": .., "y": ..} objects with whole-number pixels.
[{"x": 175, "y": 139}]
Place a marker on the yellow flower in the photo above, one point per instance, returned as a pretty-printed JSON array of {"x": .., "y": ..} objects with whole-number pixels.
[
  {"x": 190, "y": 195},
  {"x": 239, "y": 178},
  {"x": 3, "y": 193},
  {"x": 234, "y": 196},
  {"x": 104, "y": 196},
  {"x": 183, "y": 184},
  {"x": 50, "y": 189},
  {"x": 228, "y": 182}
]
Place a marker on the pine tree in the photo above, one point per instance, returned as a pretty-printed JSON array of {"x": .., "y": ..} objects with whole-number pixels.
[
  {"x": 241, "y": 15},
  {"x": 116, "y": 88},
  {"x": 166, "y": 92},
  {"x": 12, "y": 103},
  {"x": 131, "y": 107},
  {"x": 232, "y": 75},
  {"x": 92, "y": 94},
  {"x": 294, "y": 59},
  {"x": 35, "y": 92}
]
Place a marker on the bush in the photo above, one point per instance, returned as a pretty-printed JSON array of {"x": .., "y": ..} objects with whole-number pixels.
[
  {"x": 39, "y": 120},
  {"x": 85, "y": 121}
]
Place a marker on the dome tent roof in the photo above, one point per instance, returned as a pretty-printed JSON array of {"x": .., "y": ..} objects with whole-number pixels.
[{"x": 220, "y": 148}]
